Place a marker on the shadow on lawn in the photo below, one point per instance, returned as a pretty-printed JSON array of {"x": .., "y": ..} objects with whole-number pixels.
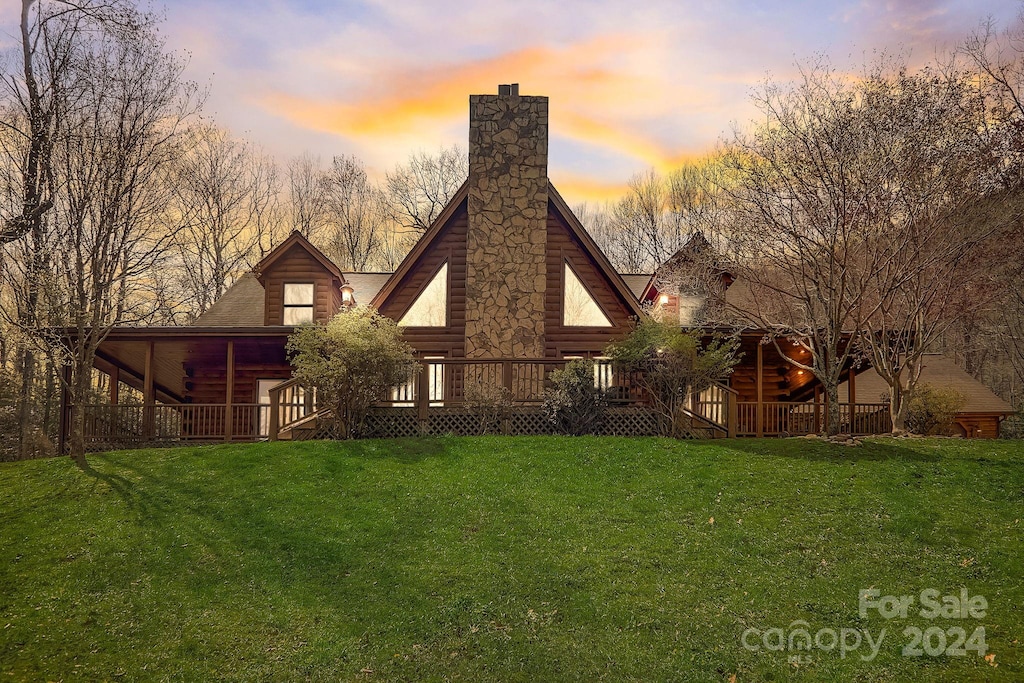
[
  {"x": 305, "y": 539},
  {"x": 821, "y": 450},
  {"x": 408, "y": 450}
]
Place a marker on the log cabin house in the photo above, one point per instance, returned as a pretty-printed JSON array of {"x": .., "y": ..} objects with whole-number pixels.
[{"x": 503, "y": 287}]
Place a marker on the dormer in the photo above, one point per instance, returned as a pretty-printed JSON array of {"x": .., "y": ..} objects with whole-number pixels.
[{"x": 301, "y": 284}]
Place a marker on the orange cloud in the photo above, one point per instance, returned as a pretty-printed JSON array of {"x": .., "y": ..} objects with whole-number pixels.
[
  {"x": 578, "y": 188},
  {"x": 581, "y": 76}
]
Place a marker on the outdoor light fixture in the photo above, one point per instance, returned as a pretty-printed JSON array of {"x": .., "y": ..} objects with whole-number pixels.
[
  {"x": 663, "y": 299},
  {"x": 348, "y": 298}
]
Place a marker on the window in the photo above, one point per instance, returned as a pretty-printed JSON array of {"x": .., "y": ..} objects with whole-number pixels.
[
  {"x": 579, "y": 308},
  {"x": 298, "y": 303},
  {"x": 430, "y": 309},
  {"x": 604, "y": 377},
  {"x": 404, "y": 394},
  {"x": 690, "y": 306}
]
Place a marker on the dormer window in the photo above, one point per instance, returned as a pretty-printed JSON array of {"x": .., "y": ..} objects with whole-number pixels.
[{"x": 298, "y": 303}]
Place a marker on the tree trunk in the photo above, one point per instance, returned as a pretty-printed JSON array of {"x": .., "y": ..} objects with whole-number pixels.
[
  {"x": 832, "y": 413},
  {"x": 899, "y": 401},
  {"x": 25, "y": 419},
  {"x": 76, "y": 441}
]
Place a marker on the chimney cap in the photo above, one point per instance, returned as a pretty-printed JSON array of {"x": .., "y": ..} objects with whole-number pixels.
[{"x": 508, "y": 90}]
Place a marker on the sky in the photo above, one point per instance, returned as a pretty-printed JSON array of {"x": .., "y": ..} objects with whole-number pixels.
[{"x": 632, "y": 85}]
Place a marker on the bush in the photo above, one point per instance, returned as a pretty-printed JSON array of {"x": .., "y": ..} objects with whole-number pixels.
[
  {"x": 352, "y": 362},
  {"x": 572, "y": 403},
  {"x": 672, "y": 366},
  {"x": 931, "y": 409},
  {"x": 490, "y": 403}
]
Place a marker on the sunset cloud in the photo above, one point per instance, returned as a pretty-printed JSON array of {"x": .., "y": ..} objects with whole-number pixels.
[{"x": 633, "y": 85}]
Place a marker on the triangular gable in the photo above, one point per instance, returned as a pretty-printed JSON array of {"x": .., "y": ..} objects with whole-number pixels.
[
  {"x": 296, "y": 239},
  {"x": 590, "y": 248},
  {"x": 593, "y": 252},
  {"x": 421, "y": 247}
]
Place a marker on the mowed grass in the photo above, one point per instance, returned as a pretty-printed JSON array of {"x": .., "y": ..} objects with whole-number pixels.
[{"x": 533, "y": 559}]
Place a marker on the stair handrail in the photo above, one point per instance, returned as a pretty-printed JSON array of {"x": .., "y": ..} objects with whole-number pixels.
[{"x": 275, "y": 424}]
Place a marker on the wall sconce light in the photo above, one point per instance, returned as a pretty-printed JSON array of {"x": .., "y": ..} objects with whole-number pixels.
[
  {"x": 663, "y": 299},
  {"x": 348, "y": 296}
]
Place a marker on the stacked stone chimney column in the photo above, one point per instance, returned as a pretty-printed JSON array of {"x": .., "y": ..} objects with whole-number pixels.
[{"x": 507, "y": 236}]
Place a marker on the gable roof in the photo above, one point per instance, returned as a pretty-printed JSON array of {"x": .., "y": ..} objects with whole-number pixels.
[
  {"x": 421, "y": 246},
  {"x": 593, "y": 251},
  {"x": 938, "y": 371},
  {"x": 590, "y": 248},
  {"x": 240, "y": 306},
  {"x": 297, "y": 239}
]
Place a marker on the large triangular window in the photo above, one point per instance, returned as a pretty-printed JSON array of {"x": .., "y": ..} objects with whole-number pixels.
[
  {"x": 579, "y": 308},
  {"x": 430, "y": 309}
]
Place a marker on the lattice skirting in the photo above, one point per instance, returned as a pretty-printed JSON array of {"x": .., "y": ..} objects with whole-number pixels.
[{"x": 399, "y": 422}]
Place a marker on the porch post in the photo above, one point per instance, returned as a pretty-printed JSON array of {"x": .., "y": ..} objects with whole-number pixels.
[
  {"x": 115, "y": 379},
  {"x": 65, "y": 409},
  {"x": 423, "y": 396},
  {"x": 274, "y": 420},
  {"x": 148, "y": 398},
  {"x": 229, "y": 394},
  {"x": 760, "y": 390},
  {"x": 733, "y": 412}
]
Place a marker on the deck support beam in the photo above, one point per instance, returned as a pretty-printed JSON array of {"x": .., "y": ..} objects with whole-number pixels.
[
  {"x": 759, "y": 419},
  {"x": 147, "y": 391},
  {"x": 115, "y": 380}
]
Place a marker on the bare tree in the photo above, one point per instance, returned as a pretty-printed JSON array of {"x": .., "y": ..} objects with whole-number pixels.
[
  {"x": 659, "y": 214},
  {"x": 937, "y": 212},
  {"x": 306, "y": 196},
  {"x": 122, "y": 135},
  {"x": 357, "y": 214},
  {"x": 50, "y": 35},
  {"x": 992, "y": 338},
  {"x": 800, "y": 196},
  {"x": 420, "y": 189},
  {"x": 223, "y": 190}
]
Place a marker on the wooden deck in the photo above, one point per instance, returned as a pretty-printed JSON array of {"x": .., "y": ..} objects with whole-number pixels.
[{"x": 434, "y": 401}]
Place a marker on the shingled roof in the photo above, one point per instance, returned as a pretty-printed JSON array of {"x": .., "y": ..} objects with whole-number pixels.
[
  {"x": 366, "y": 285},
  {"x": 240, "y": 306},
  {"x": 938, "y": 371},
  {"x": 637, "y": 282}
]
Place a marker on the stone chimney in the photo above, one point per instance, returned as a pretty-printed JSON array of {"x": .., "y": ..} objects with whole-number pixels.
[{"x": 507, "y": 237}]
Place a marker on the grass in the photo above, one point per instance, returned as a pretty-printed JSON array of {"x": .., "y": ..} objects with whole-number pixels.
[{"x": 503, "y": 559}]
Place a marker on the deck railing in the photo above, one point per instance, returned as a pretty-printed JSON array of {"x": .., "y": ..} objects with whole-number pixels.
[
  {"x": 780, "y": 418},
  {"x": 114, "y": 425},
  {"x": 444, "y": 384}
]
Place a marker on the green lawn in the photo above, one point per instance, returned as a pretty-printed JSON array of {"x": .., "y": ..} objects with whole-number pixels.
[{"x": 527, "y": 559}]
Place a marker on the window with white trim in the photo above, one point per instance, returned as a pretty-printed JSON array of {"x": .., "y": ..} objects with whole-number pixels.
[{"x": 298, "y": 303}]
